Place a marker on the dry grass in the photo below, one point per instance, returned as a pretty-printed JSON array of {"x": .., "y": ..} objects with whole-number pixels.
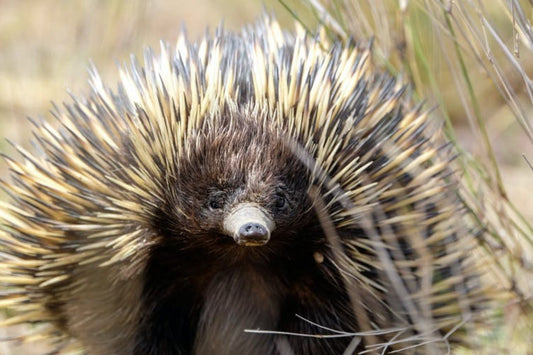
[{"x": 472, "y": 60}]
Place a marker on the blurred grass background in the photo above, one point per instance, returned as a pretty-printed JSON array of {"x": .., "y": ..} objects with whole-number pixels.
[
  {"x": 447, "y": 52},
  {"x": 46, "y": 46}
]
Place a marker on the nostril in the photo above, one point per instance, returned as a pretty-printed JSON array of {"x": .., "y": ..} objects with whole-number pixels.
[
  {"x": 253, "y": 230},
  {"x": 253, "y": 233}
]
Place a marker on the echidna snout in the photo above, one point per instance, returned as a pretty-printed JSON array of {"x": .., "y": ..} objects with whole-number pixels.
[{"x": 249, "y": 225}]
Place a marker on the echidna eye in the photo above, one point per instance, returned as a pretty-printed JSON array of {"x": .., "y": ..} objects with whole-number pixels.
[
  {"x": 216, "y": 201},
  {"x": 214, "y": 205},
  {"x": 280, "y": 202}
]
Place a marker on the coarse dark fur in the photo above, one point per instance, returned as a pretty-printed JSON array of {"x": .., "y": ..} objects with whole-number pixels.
[{"x": 203, "y": 290}]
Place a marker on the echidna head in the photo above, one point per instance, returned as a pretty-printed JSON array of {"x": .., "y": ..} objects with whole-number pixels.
[{"x": 238, "y": 183}]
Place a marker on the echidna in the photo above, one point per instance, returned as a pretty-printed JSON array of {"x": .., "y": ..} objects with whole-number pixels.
[{"x": 253, "y": 193}]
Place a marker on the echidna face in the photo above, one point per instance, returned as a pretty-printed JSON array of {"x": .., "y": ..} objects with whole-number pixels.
[{"x": 241, "y": 186}]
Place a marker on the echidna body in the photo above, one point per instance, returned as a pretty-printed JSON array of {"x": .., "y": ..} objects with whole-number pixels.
[{"x": 261, "y": 181}]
